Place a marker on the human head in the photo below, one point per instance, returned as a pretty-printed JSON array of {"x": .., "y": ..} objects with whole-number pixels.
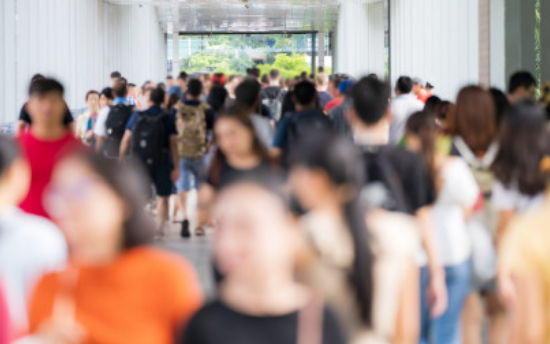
[
  {"x": 219, "y": 79},
  {"x": 522, "y": 86},
  {"x": 121, "y": 89},
  {"x": 254, "y": 73},
  {"x": 370, "y": 103},
  {"x": 429, "y": 88},
  {"x": 174, "y": 95},
  {"x": 333, "y": 88},
  {"x": 523, "y": 144},
  {"x": 217, "y": 97},
  {"x": 326, "y": 168},
  {"x": 501, "y": 104},
  {"x": 265, "y": 80},
  {"x": 92, "y": 100},
  {"x": 418, "y": 86},
  {"x": 235, "y": 135},
  {"x": 37, "y": 77},
  {"x": 274, "y": 77},
  {"x": 156, "y": 97},
  {"x": 14, "y": 173},
  {"x": 232, "y": 82},
  {"x": 305, "y": 95},
  {"x": 194, "y": 89},
  {"x": 475, "y": 118},
  {"x": 169, "y": 81},
  {"x": 321, "y": 82},
  {"x": 114, "y": 78},
  {"x": 345, "y": 87},
  {"x": 248, "y": 93},
  {"x": 320, "y": 70},
  {"x": 303, "y": 76},
  {"x": 46, "y": 105},
  {"x": 85, "y": 185},
  {"x": 432, "y": 103},
  {"x": 421, "y": 136},
  {"x": 132, "y": 91},
  {"x": 182, "y": 80},
  {"x": 445, "y": 113},
  {"x": 106, "y": 97},
  {"x": 404, "y": 85},
  {"x": 256, "y": 234}
]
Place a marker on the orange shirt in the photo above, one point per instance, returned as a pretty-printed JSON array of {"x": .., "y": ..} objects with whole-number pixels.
[{"x": 145, "y": 296}]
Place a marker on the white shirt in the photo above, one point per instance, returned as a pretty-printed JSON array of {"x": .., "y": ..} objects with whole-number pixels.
[
  {"x": 30, "y": 246},
  {"x": 511, "y": 199},
  {"x": 100, "y": 128},
  {"x": 402, "y": 107},
  {"x": 459, "y": 192}
]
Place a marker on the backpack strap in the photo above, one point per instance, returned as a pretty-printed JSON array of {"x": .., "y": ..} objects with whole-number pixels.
[{"x": 475, "y": 162}]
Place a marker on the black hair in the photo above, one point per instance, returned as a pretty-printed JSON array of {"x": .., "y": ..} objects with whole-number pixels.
[
  {"x": 45, "y": 86},
  {"x": 274, "y": 74},
  {"x": 217, "y": 97},
  {"x": 340, "y": 160},
  {"x": 116, "y": 75},
  {"x": 254, "y": 72},
  {"x": 305, "y": 93},
  {"x": 89, "y": 93},
  {"x": 157, "y": 96},
  {"x": 248, "y": 93},
  {"x": 183, "y": 75},
  {"x": 129, "y": 183},
  {"x": 120, "y": 89},
  {"x": 169, "y": 77},
  {"x": 432, "y": 103},
  {"x": 37, "y": 77},
  {"x": 523, "y": 143},
  {"x": 265, "y": 79},
  {"x": 107, "y": 92},
  {"x": 194, "y": 87},
  {"x": 521, "y": 79},
  {"x": 123, "y": 80},
  {"x": 404, "y": 85},
  {"x": 131, "y": 85},
  {"x": 370, "y": 100},
  {"x": 501, "y": 104},
  {"x": 9, "y": 152}
]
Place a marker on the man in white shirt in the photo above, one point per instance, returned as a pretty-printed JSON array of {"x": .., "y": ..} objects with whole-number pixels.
[
  {"x": 402, "y": 107},
  {"x": 30, "y": 246}
]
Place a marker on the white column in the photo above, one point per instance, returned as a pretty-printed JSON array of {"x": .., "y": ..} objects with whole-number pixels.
[
  {"x": 175, "y": 41},
  {"x": 498, "y": 44},
  {"x": 321, "y": 37},
  {"x": 352, "y": 35}
]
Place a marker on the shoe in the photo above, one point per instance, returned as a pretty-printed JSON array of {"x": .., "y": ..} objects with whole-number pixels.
[
  {"x": 199, "y": 231},
  {"x": 185, "y": 229}
]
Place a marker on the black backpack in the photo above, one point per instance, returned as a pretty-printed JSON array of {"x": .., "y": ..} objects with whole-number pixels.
[
  {"x": 300, "y": 126},
  {"x": 119, "y": 115},
  {"x": 148, "y": 140},
  {"x": 384, "y": 188}
]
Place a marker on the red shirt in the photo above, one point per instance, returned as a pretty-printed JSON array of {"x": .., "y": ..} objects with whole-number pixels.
[
  {"x": 4, "y": 319},
  {"x": 42, "y": 157},
  {"x": 333, "y": 103}
]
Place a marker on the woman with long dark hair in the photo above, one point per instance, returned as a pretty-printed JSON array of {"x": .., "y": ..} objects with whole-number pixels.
[
  {"x": 116, "y": 288},
  {"x": 457, "y": 193},
  {"x": 351, "y": 265},
  {"x": 521, "y": 165}
]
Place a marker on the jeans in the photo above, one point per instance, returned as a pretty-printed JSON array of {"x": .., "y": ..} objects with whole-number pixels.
[{"x": 447, "y": 328}]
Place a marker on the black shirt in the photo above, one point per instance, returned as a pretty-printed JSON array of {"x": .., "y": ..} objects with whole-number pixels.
[
  {"x": 24, "y": 116},
  {"x": 223, "y": 175},
  {"x": 402, "y": 174},
  {"x": 216, "y": 323}
]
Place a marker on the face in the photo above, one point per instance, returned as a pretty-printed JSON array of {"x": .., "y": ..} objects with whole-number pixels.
[
  {"x": 113, "y": 82},
  {"x": 169, "y": 82},
  {"x": 104, "y": 101},
  {"x": 88, "y": 212},
  {"x": 132, "y": 91},
  {"x": 254, "y": 233},
  {"x": 93, "y": 101},
  {"x": 417, "y": 88},
  {"x": 47, "y": 109},
  {"x": 233, "y": 138},
  {"x": 310, "y": 186}
]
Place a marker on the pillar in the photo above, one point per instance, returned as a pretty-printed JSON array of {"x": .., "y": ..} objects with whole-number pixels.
[
  {"x": 175, "y": 41},
  {"x": 520, "y": 36},
  {"x": 352, "y": 36},
  {"x": 545, "y": 39}
]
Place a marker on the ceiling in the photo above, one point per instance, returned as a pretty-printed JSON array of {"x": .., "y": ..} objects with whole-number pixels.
[{"x": 218, "y": 16}]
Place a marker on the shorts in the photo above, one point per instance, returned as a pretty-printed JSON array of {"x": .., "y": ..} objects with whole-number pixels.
[
  {"x": 162, "y": 180},
  {"x": 190, "y": 174}
]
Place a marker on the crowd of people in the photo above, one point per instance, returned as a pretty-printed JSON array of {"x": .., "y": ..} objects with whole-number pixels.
[{"x": 339, "y": 212}]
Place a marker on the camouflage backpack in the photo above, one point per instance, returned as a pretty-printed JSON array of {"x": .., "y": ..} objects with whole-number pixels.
[{"x": 191, "y": 126}]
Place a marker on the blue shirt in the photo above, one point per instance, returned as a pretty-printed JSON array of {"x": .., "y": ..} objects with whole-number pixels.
[{"x": 120, "y": 100}]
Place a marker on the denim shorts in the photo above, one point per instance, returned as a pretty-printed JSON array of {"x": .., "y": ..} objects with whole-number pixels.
[{"x": 190, "y": 174}]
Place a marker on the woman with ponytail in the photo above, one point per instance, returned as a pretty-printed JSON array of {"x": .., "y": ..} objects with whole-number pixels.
[{"x": 361, "y": 272}]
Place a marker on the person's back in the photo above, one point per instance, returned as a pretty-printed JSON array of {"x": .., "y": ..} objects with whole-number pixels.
[{"x": 402, "y": 107}]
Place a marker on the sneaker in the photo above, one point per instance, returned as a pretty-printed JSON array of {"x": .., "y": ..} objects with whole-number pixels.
[{"x": 185, "y": 233}]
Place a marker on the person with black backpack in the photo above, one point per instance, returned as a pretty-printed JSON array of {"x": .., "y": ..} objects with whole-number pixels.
[
  {"x": 307, "y": 120},
  {"x": 111, "y": 125},
  {"x": 398, "y": 180},
  {"x": 150, "y": 137}
]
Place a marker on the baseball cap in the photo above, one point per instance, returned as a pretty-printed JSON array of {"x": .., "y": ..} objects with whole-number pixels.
[
  {"x": 345, "y": 86},
  {"x": 419, "y": 81}
]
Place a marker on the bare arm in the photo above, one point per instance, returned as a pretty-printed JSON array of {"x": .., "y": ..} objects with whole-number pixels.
[
  {"x": 207, "y": 195},
  {"x": 408, "y": 322},
  {"x": 125, "y": 144},
  {"x": 174, "y": 152},
  {"x": 275, "y": 153},
  {"x": 529, "y": 316},
  {"x": 504, "y": 218}
]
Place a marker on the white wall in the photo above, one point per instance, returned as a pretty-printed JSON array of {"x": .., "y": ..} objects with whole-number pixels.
[
  {"x": 437, "y": 40},
  {"x": 78, "y": 42},
  {"x": 360, "y": 38}
]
